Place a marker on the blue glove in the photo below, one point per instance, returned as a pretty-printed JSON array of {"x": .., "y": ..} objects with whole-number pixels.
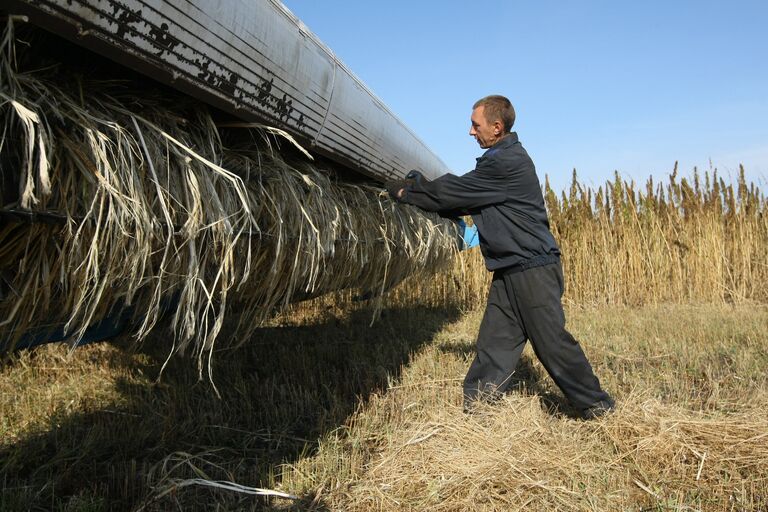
[{"x": 469, "y": 236}]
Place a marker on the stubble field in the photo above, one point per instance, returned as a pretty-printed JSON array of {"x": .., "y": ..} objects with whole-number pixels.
[
  {"x": 348, "y": 417},
  {"x": 666, "y": 292}
]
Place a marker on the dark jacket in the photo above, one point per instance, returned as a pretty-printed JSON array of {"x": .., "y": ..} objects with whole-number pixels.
[{"x": 503, "y": 196}]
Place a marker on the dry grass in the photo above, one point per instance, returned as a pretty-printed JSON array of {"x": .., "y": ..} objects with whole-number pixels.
[
  {"x": 690, "y": 239},
  {"x": 137, "y": 198},
  {"x": 689, "y": 434},
  {"x": 348, "y": 417},
  {"x": 685, "y": 241},
  {"x": 316, "y": 402},
  {"x": 96, "y": 430}
]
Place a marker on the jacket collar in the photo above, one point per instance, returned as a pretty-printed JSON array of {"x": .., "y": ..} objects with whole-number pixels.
[{"x": 504, "y": 143}]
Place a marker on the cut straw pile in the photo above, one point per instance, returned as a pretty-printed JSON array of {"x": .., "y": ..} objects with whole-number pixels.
[
  {"x": 689, "y": 432},
  {"x": 522, "y": 458},
  {"x": 141, "y": 200}
]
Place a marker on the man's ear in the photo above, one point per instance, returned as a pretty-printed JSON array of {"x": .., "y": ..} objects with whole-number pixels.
[{"x": 498, "y": 127}]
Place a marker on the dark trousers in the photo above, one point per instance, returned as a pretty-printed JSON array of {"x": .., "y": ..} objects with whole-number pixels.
[{"x": 527, "y": 305}]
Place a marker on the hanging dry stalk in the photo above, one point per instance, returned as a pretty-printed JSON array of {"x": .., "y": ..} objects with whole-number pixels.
[{"x": 134, "y": 201}]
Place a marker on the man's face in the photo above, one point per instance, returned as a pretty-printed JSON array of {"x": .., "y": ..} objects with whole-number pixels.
[{"x": 486, "y": 134}]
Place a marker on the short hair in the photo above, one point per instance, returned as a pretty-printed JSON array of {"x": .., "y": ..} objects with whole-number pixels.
[{"x": 497, "y": 108}]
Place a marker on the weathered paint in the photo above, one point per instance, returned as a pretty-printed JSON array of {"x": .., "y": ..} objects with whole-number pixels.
[{"x": 252, "y": 58}]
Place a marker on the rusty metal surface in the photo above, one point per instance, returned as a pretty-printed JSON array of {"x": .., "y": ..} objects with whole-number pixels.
[{"x": 252, "y": 58}]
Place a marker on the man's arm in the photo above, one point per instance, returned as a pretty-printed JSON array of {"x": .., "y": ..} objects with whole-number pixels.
[{"x": 459, "y": 194}]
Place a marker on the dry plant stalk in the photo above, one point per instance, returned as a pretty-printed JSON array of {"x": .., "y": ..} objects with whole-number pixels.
[
  {"x": 137, "y": 203},
  {"x": 689, "y": 240},
  {"x": 689, "y": 432},
  {"x": 697, "y": 239},
  {"x": 686, "y": 241}
]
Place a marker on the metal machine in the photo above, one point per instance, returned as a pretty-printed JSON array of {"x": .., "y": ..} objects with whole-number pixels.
[{"x": 253, "y": 59}]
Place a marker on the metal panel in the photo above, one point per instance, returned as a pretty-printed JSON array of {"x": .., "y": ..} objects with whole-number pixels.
[{"x": 253, "y": 59}]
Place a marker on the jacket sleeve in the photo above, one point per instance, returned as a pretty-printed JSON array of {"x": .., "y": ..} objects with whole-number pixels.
[{"x": 459, "y": 194}]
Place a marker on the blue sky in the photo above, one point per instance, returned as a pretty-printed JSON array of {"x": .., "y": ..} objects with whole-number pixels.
[{"x": 597, "y": 85}]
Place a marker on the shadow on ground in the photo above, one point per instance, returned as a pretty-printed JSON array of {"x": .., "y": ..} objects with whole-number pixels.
[{"x": 280, "y": 392}]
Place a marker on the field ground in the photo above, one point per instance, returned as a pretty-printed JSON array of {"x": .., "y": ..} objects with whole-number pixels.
[{"x": 351, "y": 417}]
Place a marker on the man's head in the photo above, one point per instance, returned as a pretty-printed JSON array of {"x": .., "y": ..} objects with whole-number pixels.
[{"x": 492, "y": 119}]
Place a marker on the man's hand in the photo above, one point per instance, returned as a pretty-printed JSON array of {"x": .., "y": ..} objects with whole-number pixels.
[
  {"x": 414, "y": 175},
  {"x": 396, "y": 189}
]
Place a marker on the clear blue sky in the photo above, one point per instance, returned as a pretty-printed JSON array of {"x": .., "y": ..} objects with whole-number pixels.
[{"x": 597, "y": 85}]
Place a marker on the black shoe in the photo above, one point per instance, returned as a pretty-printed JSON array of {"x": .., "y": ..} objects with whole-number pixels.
[
  {"x": 471, "y": 407},
  {"x": 598, "y": 410},
  {"x": 474, "y": 402}
]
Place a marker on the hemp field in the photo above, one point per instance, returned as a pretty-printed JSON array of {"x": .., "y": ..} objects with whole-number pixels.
[{"x": 668, "y": 299}]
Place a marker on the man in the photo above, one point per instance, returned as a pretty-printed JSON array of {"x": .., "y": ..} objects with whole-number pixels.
[{"x": 503, "y": 196}]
